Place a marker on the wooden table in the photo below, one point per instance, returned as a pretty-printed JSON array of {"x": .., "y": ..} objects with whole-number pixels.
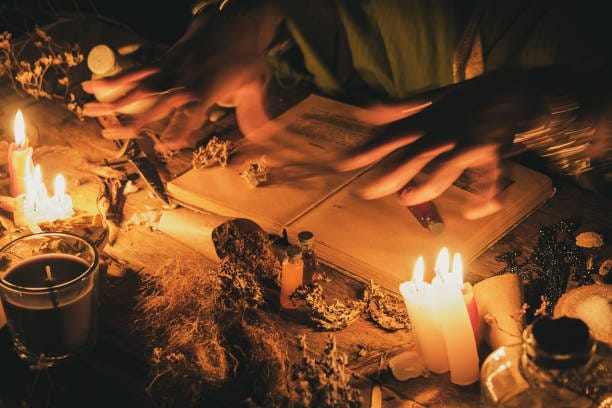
[{"x": 116, "y": 372}]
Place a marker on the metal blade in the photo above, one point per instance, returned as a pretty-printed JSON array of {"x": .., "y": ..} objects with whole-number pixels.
[{"x": 148, "y": 171}]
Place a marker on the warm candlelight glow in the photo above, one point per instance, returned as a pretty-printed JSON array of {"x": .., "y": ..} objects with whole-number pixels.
[{"x": 19, "y": 130}]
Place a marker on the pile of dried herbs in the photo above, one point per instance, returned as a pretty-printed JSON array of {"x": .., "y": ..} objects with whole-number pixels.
[
  {"x": 382, "y": 308},
  {"x": 214, "y": 344},
  {"x": 322, "y": 381}
]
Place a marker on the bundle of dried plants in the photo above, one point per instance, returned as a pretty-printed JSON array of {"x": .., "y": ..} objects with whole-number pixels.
[{"x": 44, "y": 76}]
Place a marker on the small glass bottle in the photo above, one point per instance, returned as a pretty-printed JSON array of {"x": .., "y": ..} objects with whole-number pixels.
[
  {"x": 558, "y": 364},
  {"x": 311, "y": 263},
  {"x": 291, "y": 275}
]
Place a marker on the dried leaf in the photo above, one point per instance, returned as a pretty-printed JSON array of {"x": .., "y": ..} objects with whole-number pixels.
[{"x": 327, "y": 316}]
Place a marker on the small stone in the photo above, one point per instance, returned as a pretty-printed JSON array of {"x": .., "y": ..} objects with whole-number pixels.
[
  {"x": 589, "y": 240},
  {"x": 407, "y": 365}
]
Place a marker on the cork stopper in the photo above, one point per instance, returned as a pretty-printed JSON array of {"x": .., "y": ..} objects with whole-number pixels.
[
  {"x": 294, "y": 252},
  {"x": 305, "y": 237},
  {"x": 102, "y": 60},
  {"x": 559, "y": 343}
]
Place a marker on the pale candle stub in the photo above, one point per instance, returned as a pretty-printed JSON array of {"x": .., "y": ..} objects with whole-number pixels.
[
  {"x": 500, "y": 297},
  {"x": 419, "y": 303},
  {"x": 19, "y": 157}
]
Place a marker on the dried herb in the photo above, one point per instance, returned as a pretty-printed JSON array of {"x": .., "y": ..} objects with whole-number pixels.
[
  {"x": 327, "y": 316},
  {"x": 323, "y": 381},
  {"x": 546, "y": 271},
  {"x": 386, "y": 310},
  {"x": 256, "y": 173},
  {"x": 248, "y": 247},
  {"x": 216, "y": 151},
  {"x": 48, "y": 76},
  {"x": 212, "y": 343}
]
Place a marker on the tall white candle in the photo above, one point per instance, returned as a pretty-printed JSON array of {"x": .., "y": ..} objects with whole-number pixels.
[
  {"x": 454, "y": 320},
  {"x": 419, "y": 303}
]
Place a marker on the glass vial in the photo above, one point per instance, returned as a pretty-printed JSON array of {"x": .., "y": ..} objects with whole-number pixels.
[
  {"x": 311, "y": 263},
  {"x": 291, "y": 275},
  {"x": 558, "y": 364}
]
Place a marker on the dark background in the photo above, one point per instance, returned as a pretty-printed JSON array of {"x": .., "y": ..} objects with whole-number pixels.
[{"x": 158, "y": 20}]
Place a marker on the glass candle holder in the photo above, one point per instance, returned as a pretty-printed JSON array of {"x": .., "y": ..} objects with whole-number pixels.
[{"x": 49, "y": 291}]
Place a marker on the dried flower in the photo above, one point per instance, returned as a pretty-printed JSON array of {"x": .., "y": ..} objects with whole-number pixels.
[
  {"x": 256, "y": 173},
  {"x": 216, "y": 151},
  {"x": 47, "y": 77}
]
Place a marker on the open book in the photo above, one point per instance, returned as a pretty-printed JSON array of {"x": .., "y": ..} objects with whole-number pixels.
[{"x": 370, "y": 239}]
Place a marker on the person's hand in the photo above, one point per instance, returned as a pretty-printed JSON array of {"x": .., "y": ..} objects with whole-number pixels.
[
  {"x": 469, "y": 126},
  {"x": 220, "y": 53}
]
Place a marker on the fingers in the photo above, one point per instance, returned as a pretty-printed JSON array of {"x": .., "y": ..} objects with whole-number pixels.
[
  {"x": 108, "y": 84},
  {"x": 397, "y": 135},
  {"x": 162, "y": 107},
  {"x": 483, "y": 166},
  {"x": 382, "y": 114},
  {"x": 411, "y": 161},
  {"x": 449, "y": 168}
]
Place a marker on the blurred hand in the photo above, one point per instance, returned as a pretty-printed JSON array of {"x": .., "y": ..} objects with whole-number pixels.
[
  {"x": 470, "y": 125},
  {"x": 220, "y": 53}
]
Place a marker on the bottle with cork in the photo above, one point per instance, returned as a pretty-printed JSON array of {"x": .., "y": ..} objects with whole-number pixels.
[
  {"x": 291, "y": 275},
  {"x": 309, "y": 256},
  {"x": 105, "y": 61}
]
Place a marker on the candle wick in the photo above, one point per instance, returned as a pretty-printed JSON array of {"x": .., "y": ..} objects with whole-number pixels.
[{"x": 48, "y": 270}]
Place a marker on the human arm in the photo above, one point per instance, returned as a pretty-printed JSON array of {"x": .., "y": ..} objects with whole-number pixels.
[
  {"x": 473, "y": 124},
  {"x": 222, "y": 50}
]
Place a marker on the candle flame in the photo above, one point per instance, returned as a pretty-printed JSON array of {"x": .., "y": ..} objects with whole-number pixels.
[
  {"x": 458, "y": 269},
  {"x": 19, "y": 130},
  {"x": 443, "y": 263},
  {"x": 419, "y": 271}
]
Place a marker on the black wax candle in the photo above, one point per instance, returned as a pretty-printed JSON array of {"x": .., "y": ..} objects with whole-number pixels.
[{"x": 58, "y": 321}]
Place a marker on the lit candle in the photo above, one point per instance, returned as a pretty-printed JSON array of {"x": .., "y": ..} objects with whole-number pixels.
[
  {"x": 19, "y": 157},
  {"x": 455, "y": 324},
  {"x": 468, "y": 295},
  {"x": 60, "y": 203},
  {"x": 425, "y": 326},
  {"x": 36, "y": 206}
]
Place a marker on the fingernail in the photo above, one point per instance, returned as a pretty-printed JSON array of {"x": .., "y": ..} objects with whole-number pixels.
[{"x": 407, "y": 193}]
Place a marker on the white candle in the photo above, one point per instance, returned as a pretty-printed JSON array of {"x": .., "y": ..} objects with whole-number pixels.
[
  {"x": 19, "y": 157},
  {"x": 425, "y": 324},
  {"x": 451, "y": 310}
]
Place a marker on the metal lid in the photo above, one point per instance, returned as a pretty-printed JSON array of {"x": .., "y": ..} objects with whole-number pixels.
[{"x": 559, "y": 343}]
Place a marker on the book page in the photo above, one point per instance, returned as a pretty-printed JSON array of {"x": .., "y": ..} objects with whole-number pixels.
[
  {"x": 299, "y": 148},
  {"x": 381, "y": 239}
]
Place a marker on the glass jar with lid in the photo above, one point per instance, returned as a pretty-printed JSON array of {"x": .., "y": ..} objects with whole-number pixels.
[{"x": 557, "y": 364}]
